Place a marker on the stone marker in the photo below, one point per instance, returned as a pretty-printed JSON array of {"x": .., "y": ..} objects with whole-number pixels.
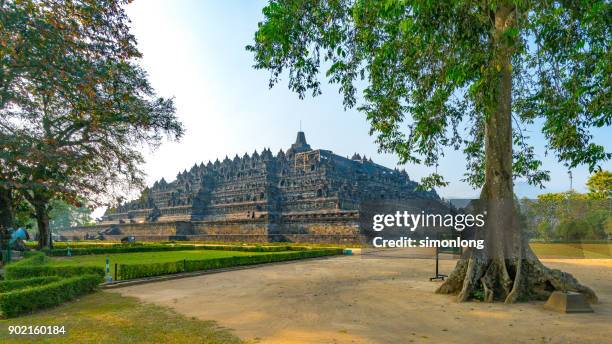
[{"x": 568, "y": 302}]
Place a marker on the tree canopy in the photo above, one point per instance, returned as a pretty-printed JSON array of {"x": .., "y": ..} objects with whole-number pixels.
[
  {"x": 567, "y": 216},
  {"x": 75, "y": 106},
  {"x": 424, "y": 73},
  {"x": 600, "y": 185}
]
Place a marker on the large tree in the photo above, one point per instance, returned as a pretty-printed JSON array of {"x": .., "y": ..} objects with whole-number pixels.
[
  {"x": 75, "y": 107},
  {"x": 469, "y": 75}
]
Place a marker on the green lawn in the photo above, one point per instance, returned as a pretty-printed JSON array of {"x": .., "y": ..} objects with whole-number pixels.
[
  {"x": 106, "y": 317},
  {"x": 572, "y": 250},
  {"x": 147, "y": 257}
]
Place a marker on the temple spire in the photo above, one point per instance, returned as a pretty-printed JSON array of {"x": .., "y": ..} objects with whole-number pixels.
[
  {"x": 300, "y": 139},
  {"x": 300, "y": 144}
]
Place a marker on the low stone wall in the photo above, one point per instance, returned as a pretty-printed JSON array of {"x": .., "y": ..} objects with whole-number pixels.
[
  {"x": 312, "y": 229},
  {"x": 161, "y": 230}
]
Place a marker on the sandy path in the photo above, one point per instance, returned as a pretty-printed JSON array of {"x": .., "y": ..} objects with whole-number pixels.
[{"x": 364, "y": 300}]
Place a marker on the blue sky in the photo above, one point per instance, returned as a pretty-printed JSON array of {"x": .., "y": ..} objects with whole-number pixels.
[{"x": 194, "y": 51}]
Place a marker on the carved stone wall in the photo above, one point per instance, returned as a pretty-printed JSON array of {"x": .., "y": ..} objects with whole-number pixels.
[{"x": 298, "y": 192}]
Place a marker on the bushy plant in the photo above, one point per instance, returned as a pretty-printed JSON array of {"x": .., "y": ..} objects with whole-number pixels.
[
  {"x": 29, "y": 271},
  {"x": 10, "y": 285},
  {"x": 574, "y": 229},
  {"x": 131, "y": 271},
  {"x": 32, "y": 258},
  {"x": 16, "y": 302},
  {"x": 32, "y": 284}
]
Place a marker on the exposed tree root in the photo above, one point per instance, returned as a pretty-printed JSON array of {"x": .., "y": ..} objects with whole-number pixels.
[
  {"x": 520, "y": 279},
  {"x": 507, "y": 269}
]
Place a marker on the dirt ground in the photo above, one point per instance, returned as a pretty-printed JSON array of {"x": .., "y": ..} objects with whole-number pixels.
[{"x": 351, "y": 299}]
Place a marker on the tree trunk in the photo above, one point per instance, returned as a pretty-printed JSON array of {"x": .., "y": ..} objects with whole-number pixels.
[
  {"x": 6, "y": 209},
  {"x": 42, "y": 220},
  {"x": 6, "y": 216},
  {"x": 506, "y": 269}
]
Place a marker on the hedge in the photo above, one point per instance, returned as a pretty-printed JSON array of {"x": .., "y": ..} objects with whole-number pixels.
[
  {"x": 19, "y": 272},
  {"x": 157, "y": 248},
  {"x": 32, "y": 258},
  {"x": 32, "y": 284},
  {"x": 10, "y": 285},
  {"x": 26, "y": 300},
  {"x": 131, "y": 271},
  {"x": 35, "y": 266},
  {"x": 63, "y": 244}
]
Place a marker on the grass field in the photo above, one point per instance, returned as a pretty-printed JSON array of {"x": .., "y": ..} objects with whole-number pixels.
[
  {"x": 543, "y": 250},
  {"x": 572, "y": 250},
  {"x": 147, "y": 257},
  {"x": 110, "y": 318}
]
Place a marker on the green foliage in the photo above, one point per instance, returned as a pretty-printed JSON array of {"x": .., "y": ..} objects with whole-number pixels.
[
  {"x": 14, "y": 303},
  {"x": 32, "y": 284},
  {"x": 19, "y": 272},
  {"x": 75, "y": 106},
  {"x": 64, "y": 215},
  {"x": 23, "y": 214},
  {"x": 31, "y": 259},
  {"x": 10, "y": 285},
  {"x": 87, "y": 244},
  {"x": 567, "y": 216},
  {"x": 147, "y": 257},
  {"x": 545, "y": 230},
  {"x": 131, "y": 271},
  {"x": 478, "y": 294},
  {"x": 608, "y": 226},
  {"x": 571, "y": 230},
  {"x": 427, "y": 74},
  {"x": 35, "y": 266},
  {"x": 61, "y": 215},
  {"x": 600, "y": 185}
]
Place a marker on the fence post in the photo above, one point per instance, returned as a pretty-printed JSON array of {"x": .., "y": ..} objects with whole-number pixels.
[
  {"x": 438, "y": 275},
  {"x": 184, "y": 265},
  {"x": 115, "y": 271}
]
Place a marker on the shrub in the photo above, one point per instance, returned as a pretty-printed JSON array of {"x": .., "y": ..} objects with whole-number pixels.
[
  {"x": 31, "y": 284},
  {"x": 26, "y": 300},
  {"x": 74, "y": 244},
  {"x": 32, "y": 258},
  {"x": 10, "y": 285},
  {"x": 30, "y": 254},
  {"x": 27, "y": 271},
  {"x": 131, "y": 271}
]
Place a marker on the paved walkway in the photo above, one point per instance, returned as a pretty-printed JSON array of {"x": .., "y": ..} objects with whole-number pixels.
[{"x": 352, "y": 299}]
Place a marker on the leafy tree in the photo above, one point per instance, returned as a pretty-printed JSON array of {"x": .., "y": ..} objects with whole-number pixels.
[
  {"x": 74, "y": 105},
  {"x": 6, "y": 210},
  {"x": 600, "y": 185},
  {"x": 545, "y": 230},
  {"x": 558, "y": 216},
  {"x": 64, "y": 215},
  {"x": 24, "y": 214},
  {"x": 574, "y": 229},
  {"x": 469, "y": 75}
]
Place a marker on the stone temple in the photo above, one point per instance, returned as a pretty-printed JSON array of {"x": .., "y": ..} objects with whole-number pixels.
[{"x": 299, "y": 195}]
